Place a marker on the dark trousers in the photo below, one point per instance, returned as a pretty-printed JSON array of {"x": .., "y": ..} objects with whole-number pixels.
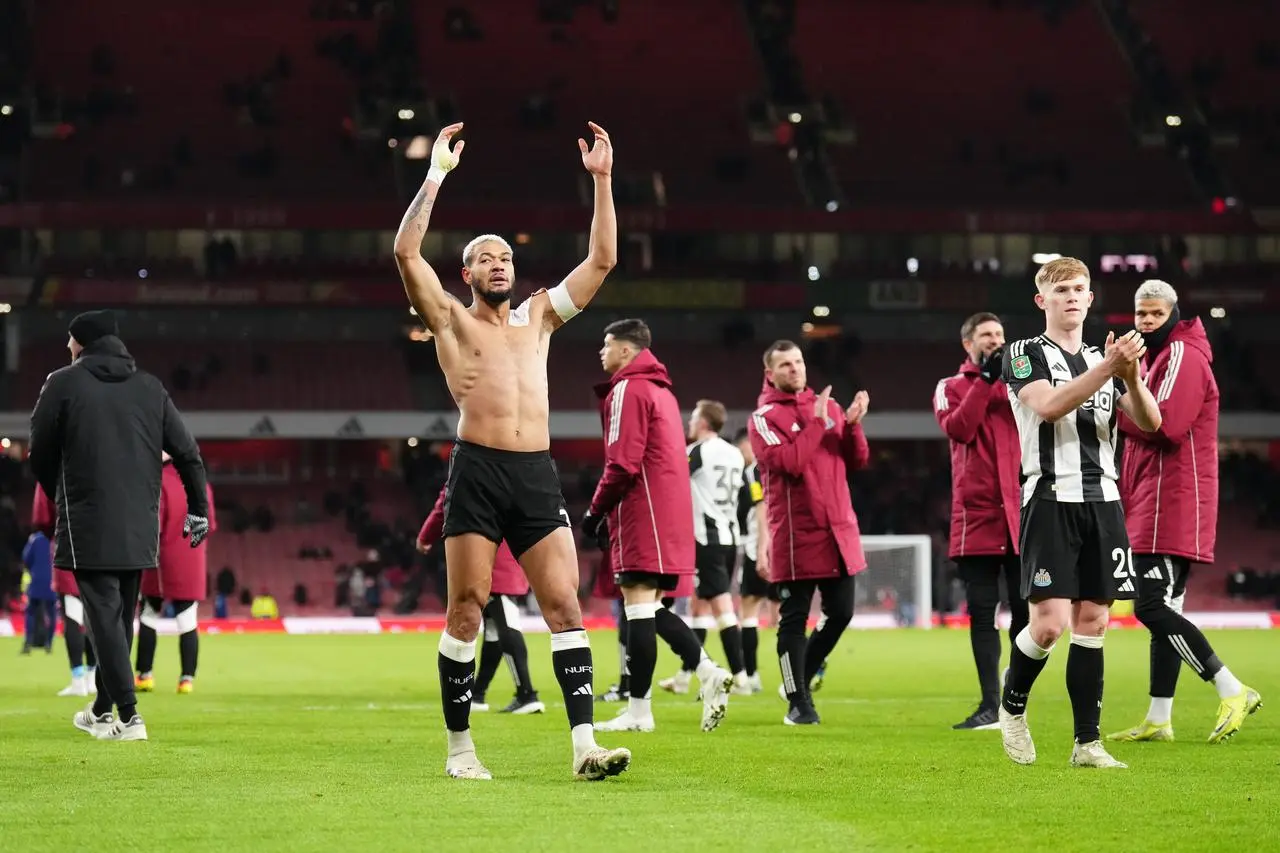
[
  {"x": 981, "y": 576},
  {"x": 41, "y": 623},
  {"x": 110, "y": 599},
  {"x": 799, "y": 659}
]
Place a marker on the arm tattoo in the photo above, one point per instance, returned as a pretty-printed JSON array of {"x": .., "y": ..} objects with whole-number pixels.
[{"x": 419, "y": 212}]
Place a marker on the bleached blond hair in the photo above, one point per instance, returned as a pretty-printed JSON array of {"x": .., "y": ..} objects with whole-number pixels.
[
  {"x": 469, "y": 253},
  {"x": 1154, "y": 288},
  {"x": 1060, "y": 269}
]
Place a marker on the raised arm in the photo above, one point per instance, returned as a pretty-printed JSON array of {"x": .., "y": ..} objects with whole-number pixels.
[
  {"x": 783, "y": 451},
  {"x": 580, "y": 286},
  {"x": 960, "y": 415},
  {"x": 1180, "y": 395},
  {"x": 421, "y": 284},
  {"x": 1136, "y": 400},
  {"x": 1027, "y": 373}
]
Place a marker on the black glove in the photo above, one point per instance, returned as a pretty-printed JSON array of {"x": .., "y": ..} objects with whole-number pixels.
[
  {"x": 195, "y": 528},
  {"x": 991, "y": 366},
  {"x": 594, "y": 528}
]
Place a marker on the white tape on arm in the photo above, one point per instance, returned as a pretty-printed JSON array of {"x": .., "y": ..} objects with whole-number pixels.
[{"x": 562, "y": 303}]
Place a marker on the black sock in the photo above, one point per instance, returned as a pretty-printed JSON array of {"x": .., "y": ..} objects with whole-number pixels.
[
  {"x": 517, "y": 655},
  {"x": 571, "y": 659},
  {"x": 1023, "y": 672},
  {"x": 189, "y": 652},
  {"x": 1084, "y": 686},
  {"x": 642, "y": 648},
  {"x": 127, "y": 713},
  {"x": 750, "y": 647},
  {"x": 791, "y": 654},
  {"x": 90, "y": 658},
  {"x": 490, "y": 657},
  {"x": 680, "y": 637},
  {"x": 731, "y": 639},
  {"x": 701, "y": 634},
  {"x": 146, "y": 648},
  {"x": 101, "y": 701},
  {"x": 457, "y": 662}
]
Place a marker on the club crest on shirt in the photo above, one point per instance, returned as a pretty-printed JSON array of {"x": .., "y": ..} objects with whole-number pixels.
[
  {"x": 1021, "y": 367},
  {"x": 1041, "y": 578}
]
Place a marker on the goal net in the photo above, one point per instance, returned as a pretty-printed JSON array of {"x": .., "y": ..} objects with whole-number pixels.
[{"x": 896, "y": 589}]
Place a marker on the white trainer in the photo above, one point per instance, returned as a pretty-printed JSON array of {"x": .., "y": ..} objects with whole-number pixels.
[
  {"x": 465, "y": 765},
  {"x": 599, "y": 763},
  {"x": 1093, "y": 754},
  {"x": 1017, "y": 737},
  {"x": 755, "y": 683},
  {"x": 135, "y": 729},
  {"x": 715, "y": 698},
  {"x": 77, "y": 687},
  {"x": 626, "y": 722},
  {"x": 87, "y": 722},
  {"x": 678, "y": 683}
]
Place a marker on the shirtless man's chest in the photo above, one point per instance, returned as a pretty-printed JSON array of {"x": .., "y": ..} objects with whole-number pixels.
[{"x": 497, "y": 375}]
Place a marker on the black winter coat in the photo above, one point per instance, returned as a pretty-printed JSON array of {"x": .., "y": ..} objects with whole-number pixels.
[{"x": 97, "y": 433}]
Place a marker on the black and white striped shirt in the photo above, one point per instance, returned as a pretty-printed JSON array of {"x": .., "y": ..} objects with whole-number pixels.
[
  {"x": 715, "y": 474},
  {"x": 1076, "y": 459}
]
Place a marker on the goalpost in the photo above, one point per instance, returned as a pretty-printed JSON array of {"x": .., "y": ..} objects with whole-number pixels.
[{"x": 896, "y": 589}]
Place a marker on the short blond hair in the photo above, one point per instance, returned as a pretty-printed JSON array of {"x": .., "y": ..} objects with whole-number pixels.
[
  {"x": 1060, "y": 269},
  {"x": 713, "y": 412}
]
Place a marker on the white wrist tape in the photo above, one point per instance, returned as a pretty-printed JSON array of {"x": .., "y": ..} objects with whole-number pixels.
[
  {"x": 435, "y": 173},
  {"x": 562, "y": 303}
]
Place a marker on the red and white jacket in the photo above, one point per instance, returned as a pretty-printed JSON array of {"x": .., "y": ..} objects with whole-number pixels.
[
  {"x": 1169, "y": 478},
  {"x": 645, "y": 488},
  {"x": 986, "y": 459},
  {"x": 804, "y": 463}
]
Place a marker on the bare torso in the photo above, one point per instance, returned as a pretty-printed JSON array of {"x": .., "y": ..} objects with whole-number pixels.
[{"x": 497, "y": 374}]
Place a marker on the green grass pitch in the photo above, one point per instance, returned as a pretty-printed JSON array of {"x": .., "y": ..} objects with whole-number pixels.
[{"x": 300, "y": 743}]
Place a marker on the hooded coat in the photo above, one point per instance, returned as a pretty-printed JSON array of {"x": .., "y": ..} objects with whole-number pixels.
[
  {"x": 645, "y": 491},
  {"x": 97, "y": 434},
  {"x": 1169, "y": 478},
  {"x": 804, "y": 463},
  {"x": 183, "y": 574},
  {"x": 986, "y": 461}
]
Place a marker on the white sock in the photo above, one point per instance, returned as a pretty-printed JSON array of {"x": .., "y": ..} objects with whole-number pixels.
[
  {"x": 584, "y": 738},
  {"x": 706, "y": 668},
  {"x": 460, "y": 743},
  {"x": 639, "y": 708},
  {"x": 1228, "y": 685},
  {"x": 1161, "y": 710}
]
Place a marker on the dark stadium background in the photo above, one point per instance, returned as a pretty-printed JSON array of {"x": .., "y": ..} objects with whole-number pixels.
[{"x": 783, "y": 170}]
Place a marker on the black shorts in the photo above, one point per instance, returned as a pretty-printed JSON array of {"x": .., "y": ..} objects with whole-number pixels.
[
  {"x": 654, "y": 580},
  {"x": 713, "y": 570},
  {"x": 752, "y": 584},
  {"x": 1078, "y": 551},
  {"x": 503, "y": 494}
]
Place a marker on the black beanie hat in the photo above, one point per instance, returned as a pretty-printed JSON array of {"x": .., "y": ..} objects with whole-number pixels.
[{"x": 92, "y": 325}]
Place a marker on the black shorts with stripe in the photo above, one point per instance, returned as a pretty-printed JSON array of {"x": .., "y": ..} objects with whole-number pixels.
[{"x": 1078, "y": 551}]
